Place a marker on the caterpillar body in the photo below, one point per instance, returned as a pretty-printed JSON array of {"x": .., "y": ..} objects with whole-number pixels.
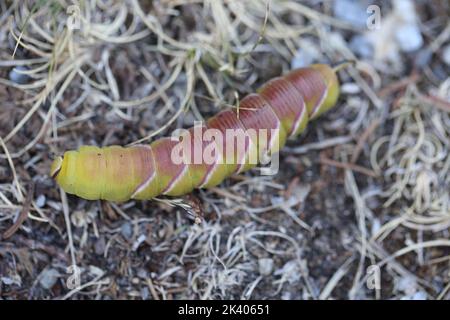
[{"x": 283, "y": 106}]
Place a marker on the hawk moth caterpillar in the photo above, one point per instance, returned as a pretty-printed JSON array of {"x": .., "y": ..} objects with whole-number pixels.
[{"x": 283, "y": 106}]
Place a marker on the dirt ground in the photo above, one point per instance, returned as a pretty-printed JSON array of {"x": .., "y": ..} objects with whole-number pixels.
[{"x": 358, "y": 210}]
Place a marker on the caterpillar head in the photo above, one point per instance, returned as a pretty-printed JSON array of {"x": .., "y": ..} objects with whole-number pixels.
[
  {"x": 78, "y": 172},
  {"x": 111, "y": 173}
]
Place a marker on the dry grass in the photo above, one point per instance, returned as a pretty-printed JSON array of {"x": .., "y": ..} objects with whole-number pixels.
[{"x": 365, "y": 186}]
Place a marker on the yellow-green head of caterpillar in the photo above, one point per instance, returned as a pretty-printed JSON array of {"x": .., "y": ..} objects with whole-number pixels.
[{"x": 111, "y": 173}]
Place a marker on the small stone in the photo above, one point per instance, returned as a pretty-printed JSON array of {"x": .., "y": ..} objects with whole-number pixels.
[
  {"x": 265, "y": 266},
  {"x": 7, "y": 281},
  {"x": 408, "y": 37},
  {"x": 15, "y": 75},
  {"x": 78, "y": 218},
  {"x": 40, "y": 201},
  {"x": 12, "y": 280},
  {"x": 301, "y": 59},
  {"x": 96, "y": 271},
  {"x": 138, "y": 242},
  {"x": 373, "y": 203},
  {"x": 126, "y": 230},
  {"x": 353, "y": 12},
  {"x": 362, "y": 47},
  {"x": 439, "y": 72},
  {"x": 306, "y": 54},
  {"x": 407, "y": 284},
  {"x": 419, "y": 295},
  {"x": 376, "y": 226},
  {"x": 100, "y": 245},
  {"x": 49, "y": 278},
  {"x": 277, "y": 200},
  {"x": 446, "y": 55},
  {"x": 145, "y": 293},
  {"x": 290, "y": 271},
  {"x": 135, "y": 280},
  {"x": 350, "y": 88},
  {"x": 406, "y": 10},
  {"x": 142, "y": 274},
  {"x": 423, "y": 58},
  {"x": 286, "y": 295}
]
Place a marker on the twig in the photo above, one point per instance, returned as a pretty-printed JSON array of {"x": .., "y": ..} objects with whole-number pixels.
[
  {"x": 320, "y": 145},
  {"x": 22, "y": 215},
  {"x": 152, "y": 289},
  {"x": 359, "y": 146},
  {"x": 68, "y": 226},
  {"x": 398, "y": 85},
  {"x": 436, "y": 101},
  {"x": 346, "y": 165}
]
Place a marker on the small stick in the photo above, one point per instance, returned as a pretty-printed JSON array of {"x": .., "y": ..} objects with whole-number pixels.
[
  {"x": 22, "y": 215},
  {"x": 370, "y": 129},
  {"x": 351, "y": 166},
  {"x": 398, "y": 85},
  {"x": 438, "y": 102}
]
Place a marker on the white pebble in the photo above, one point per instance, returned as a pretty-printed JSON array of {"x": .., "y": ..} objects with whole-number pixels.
[
  {"x": 407, "y": 284},
  {"x": 49, "y": 278},
  {"x": 15, "y": 75},
  {"x": 40, "y": 201},
  {"x": 12, "y": 280},
  {"x": 126, "y": 229},
  {"x": 408, "y": 37},
  {"x": 286, "y": 295},
  {"x": 301, "y": 59},
  {"x": 353, "y": 12},
  {"x": 265, "y": 266},
  {"x": 406, "y": 10},
  {"x": 138, "y": 242},
  {"x": 361, "y": 46},
  {"x": 420, "y": 295},
  {"x": 350, "y": 88}
]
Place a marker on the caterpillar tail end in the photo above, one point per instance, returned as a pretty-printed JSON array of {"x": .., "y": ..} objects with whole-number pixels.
[{"x": 332, "y": 90}]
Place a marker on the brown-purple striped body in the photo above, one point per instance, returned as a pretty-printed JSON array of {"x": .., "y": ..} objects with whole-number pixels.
[{"x": 280, "y": 109}]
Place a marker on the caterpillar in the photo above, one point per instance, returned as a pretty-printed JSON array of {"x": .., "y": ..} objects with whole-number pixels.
[{"x": 281, "y": 109}]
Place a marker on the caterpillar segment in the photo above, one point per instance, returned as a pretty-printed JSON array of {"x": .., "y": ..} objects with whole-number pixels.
[{"x": 232, "y": 141}]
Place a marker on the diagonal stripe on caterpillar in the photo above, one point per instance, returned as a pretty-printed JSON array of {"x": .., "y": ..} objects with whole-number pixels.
[{"x": 281, "y": 109}]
